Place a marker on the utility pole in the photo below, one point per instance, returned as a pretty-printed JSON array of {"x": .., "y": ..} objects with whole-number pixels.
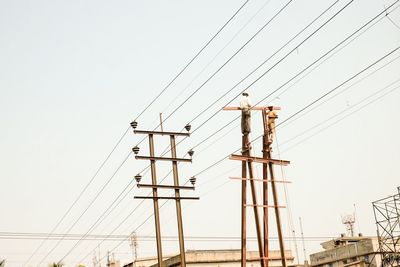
[
  {"x": 134, "y": 245},
  {"x": 155, "y": 186},
  {"x": 269, "y": 116}
]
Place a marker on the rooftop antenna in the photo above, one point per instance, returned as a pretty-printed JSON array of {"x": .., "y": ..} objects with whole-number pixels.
[{"x": 348, "y": 221}]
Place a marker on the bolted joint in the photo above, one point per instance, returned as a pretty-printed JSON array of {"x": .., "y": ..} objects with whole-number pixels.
[
  {"x": 192, "y": 180},
  {"x": 135, "y": 150},
  {"x": 188, "y": 127},
  {"x": 191, "y": 152},
  {"x": 138, "y": 177},
  {"x": 134, "y": 124}
]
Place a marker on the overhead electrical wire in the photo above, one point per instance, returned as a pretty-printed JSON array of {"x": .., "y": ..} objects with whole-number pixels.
[
  {"x": 229, "y": 59},
  {"x": 265, "y": 61},
  {"x": 76, "y": 199},
  {"x": 213, "y": 59},
  {"x": 310, "y": 104},
  {"x": 341, "y": 118},
  {"x": 87, "y": 208},
  {"x": 28, "y": 235},
  {"x": 329, "y": 92},
  {"x": 194, "y": 58},
  {"x": 303, "y": 70},
  {"x": 359, "y": 32},
  {"x": 253, "y": 71},
  {"x": 324, "y": 11},
  {"x": 241, "y": 48},
  {"x": 348, "y": 87},
  {"x": 264, "y": 99},
  {"x": 360, "y": 102},
  {"x": 140, "y": 114},
  {"x": 307, "y": 106}
]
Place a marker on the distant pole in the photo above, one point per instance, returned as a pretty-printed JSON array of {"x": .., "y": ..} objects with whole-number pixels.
[
  {"x": 295, "y": 246},
  {"x": 302, "y": 240},
  {"x": 134, "y": 245},
  {"x": 161, "y": 123}
]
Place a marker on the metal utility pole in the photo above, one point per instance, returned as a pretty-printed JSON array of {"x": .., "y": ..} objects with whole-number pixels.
[
  {"x": 155, "y": 186},
  {"x": 269, "y": 116}
]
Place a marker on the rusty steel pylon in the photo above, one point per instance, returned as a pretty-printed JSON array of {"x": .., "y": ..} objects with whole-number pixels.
[
  {"x": 269, "y": 116},
  {"x": 155, "y": 186}
]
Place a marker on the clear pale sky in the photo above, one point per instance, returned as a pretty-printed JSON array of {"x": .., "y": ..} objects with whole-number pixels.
[{"x": 74, "y": 74}]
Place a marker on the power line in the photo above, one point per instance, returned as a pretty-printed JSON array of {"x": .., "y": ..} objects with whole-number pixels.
[
  {"x": 269, "y": 69},
  {"x": 87, "y": 208},
  {"x": 78, "y": 198},
  {"x": 262, "y": 28},
  {"x": 343, "y": 117},
  {"x": 264, "y": 62},
  {"x": 340, "y": 85},
  {"x": 213, "y": 59},
  {"x": 309, "y": 105},
  {"x": 226, "y": 62},
  {"x": 348, "y": 87},
  {"x": 298, "y": 112},
  {"x": 141, "y": 113},
  {"x": 28, "y": 236},
  {"x": 281, "y": 60},
  {"x": 190, "y": 61},
  {"x": 302, "y": 71},
  {"x": 216, "y": 72},
  {"x": 253, "y": 71}
]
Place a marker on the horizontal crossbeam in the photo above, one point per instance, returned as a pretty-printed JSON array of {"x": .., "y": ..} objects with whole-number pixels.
[
  {"x": 167, "y": 186},
  {"x": 259, "y": 160},
  {"x": 269, "y": 258},
  {"x": 149, "y": 197},
  {"x": 163, "y": 158},
  {"x": 265, "y": 206},
  {"x": 260, "y": 180},
  {"x": 160, "y": 133},
  {"x": 253, "y": 108}
]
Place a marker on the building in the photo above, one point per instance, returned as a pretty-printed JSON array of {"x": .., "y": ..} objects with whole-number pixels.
[
  {"x": 217, "y": 258},
  {"x": 348, "y": 251}
]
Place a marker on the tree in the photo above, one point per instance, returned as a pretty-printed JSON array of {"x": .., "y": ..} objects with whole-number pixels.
[{"x": 2, "y": 263}]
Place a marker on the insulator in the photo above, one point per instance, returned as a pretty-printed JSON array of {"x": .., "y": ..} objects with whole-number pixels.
[
  {"x": 191, "y": 152},
  {"x": 136, "y": 150},
  {"x": 188, "y": 127},
  {"x": 138, "y": 177},
  {"x": 192, "y": 180},
  {"x": 134, "y": 124}
]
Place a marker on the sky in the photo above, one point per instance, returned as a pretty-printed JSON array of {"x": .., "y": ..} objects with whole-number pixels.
[{"x": 74, "y": 74}]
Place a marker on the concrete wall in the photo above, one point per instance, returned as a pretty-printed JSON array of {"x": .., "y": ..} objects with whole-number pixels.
[{"x": 351, "y": 254}]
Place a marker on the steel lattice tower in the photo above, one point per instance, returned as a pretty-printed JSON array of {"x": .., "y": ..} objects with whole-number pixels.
[{"x": 387, "y": 217}]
